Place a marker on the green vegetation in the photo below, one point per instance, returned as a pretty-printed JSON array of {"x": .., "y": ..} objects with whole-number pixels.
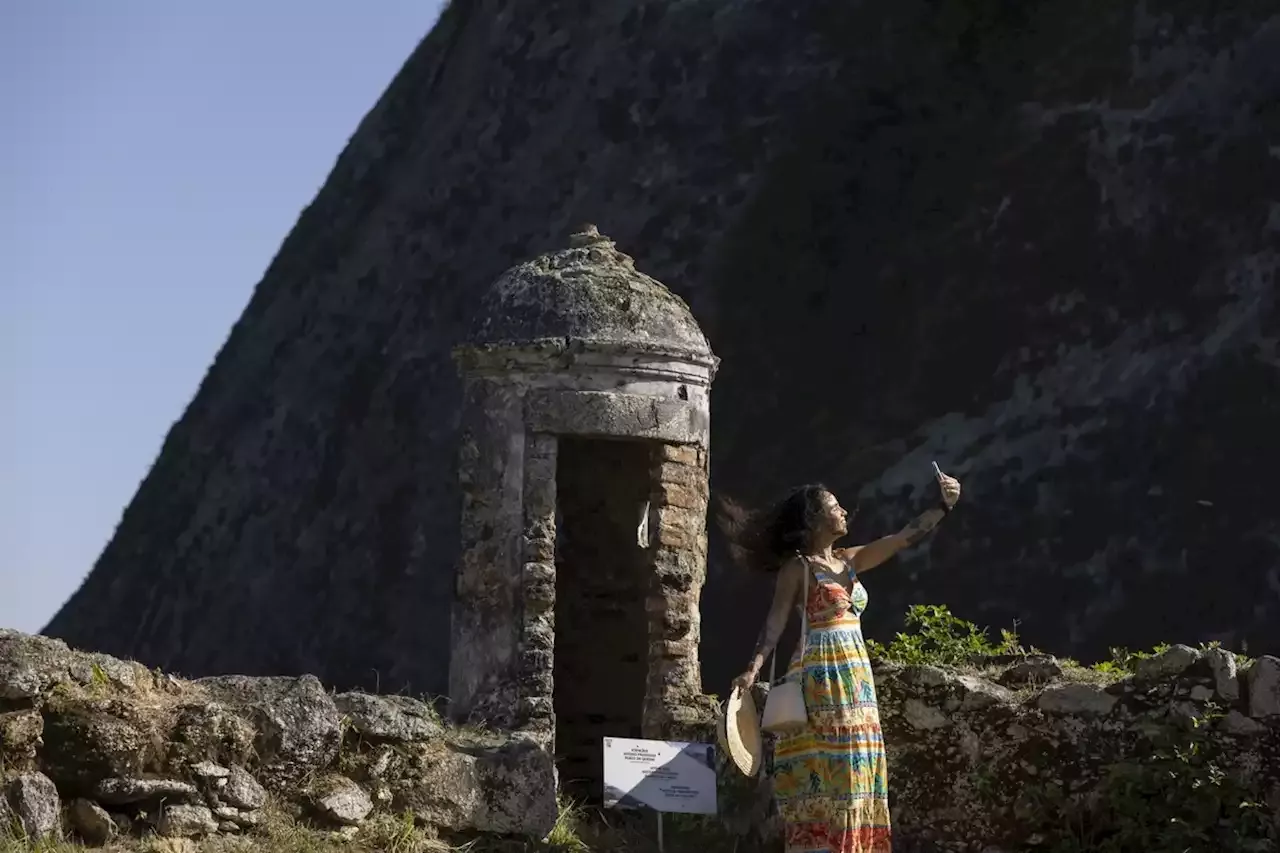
[
  {"x": 1181, "y": 798},
  {"x": 938, "y": 638}
]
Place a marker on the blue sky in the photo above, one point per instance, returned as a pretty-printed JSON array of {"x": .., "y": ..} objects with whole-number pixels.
[{"x": 153, "y": 157}]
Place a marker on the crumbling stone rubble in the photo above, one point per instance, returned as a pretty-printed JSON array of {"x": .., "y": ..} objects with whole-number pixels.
[{"x": 97, "y": 748}]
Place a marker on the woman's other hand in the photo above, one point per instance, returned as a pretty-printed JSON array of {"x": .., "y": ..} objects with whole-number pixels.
[{"x": 743, "y": 682}]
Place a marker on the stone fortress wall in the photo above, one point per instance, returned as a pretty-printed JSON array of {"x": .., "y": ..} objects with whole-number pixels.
[{"x": 1012, "y": 755}]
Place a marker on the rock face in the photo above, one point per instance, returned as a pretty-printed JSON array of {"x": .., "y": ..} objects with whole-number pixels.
[
  {"x": 1033, "y": 241},
  {"x": 188, "y": 775}
]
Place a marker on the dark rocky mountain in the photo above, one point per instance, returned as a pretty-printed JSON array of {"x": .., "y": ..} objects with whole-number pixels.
[{"x": 1035, "y": 240}]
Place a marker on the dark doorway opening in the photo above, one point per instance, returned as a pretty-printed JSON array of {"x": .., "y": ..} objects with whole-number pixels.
[{"x": 601, "y": 639}]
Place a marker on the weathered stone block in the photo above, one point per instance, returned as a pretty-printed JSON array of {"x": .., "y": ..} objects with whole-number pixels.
[
  {"x": 539, "y": 632},
  {"x": 35, "y": 803},
  {"x": 681, "y": 454},
  {"x": 535, "y": 670},
  {"x": 1079, "y": 699},
  {"x": 92, "y": 739},
  {"x": 673, "y": 649},
  {"x": 340, "y": 800},
  {"x": 91, "y": 822},
  {"x": 680, "y": 496},
  {"x": 30, "y": 665},
  {"x": 1222, "y": 664},
  {"x": 1170, "y": 663},
  {"x": 602, "y": 413},
  {"x": 677, "y": 537},
  {"x": 186, "y": 821},
  {"x": 508, "y": 789},
  {"x": 128, "y": 790},
  {"x": 540, "y": 585},
  {"x": 243, "y": 791},
  {"x": 540, "y": 547},
  {"x": 1034, "y": 671},
  {"x": 397, "y": 718},
  {"x": 923, "y": 716},
  {"x": 675, "y": 474},
  {"x": 1264, "y": 687},
  {"x": 20, "y": 735},
  {"x": 299, "y": 728},
  {"x": 211, "y": 731}
]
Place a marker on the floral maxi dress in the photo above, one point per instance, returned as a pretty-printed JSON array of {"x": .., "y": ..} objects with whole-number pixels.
[{"x": 831, "y": 779}]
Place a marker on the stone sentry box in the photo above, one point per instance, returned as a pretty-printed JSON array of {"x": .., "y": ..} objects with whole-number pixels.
[{"x": 583, "y": 465}]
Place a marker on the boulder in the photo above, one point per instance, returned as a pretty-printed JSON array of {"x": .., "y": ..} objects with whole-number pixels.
[
  {"x": 1236, "y": 723},
  {"x": 1169, "y": 663},
  {"x": 127, "y": 790},
  {"x": 210, "y": 731},
  {"x": 239, "y": 817},
  {"x": 243, "y": 791},
  {"x": 397, "y": 718},
  {"x": 30, "y": 665},
  {"x": 923, "y": 716},
  {"x": 341, "y": 800},
  {"x": 91, "y": 822},
  {"x": 21, "y": 734},
  {"x": 507, "y": 789},
  {"x": 1032, "y": 671},
  {"x": 186, "y": 821},
  {"x": 34, "y": 802},
  {"x": 209, "y": 770},
  {"x": 1264, "y": 687},
  {"x": 973, "y": 694},
  {"x": 1226, "y": 683},
  {"x": 299, "y": 728},
  {"x": 87, "y": 740},
  {"x": 1082, "y": 699}
]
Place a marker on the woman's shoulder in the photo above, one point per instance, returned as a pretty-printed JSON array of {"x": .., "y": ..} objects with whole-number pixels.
[{"x": 792, "y": 567}]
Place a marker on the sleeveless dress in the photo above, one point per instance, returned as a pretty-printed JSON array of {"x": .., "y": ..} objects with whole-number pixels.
[{"x": 831, "y": 779}]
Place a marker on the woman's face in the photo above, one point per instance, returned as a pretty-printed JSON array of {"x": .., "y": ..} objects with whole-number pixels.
[{"x": 833, "y": 518}]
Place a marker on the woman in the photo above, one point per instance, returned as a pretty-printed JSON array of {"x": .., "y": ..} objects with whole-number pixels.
[{"x": 830, "y": 779}]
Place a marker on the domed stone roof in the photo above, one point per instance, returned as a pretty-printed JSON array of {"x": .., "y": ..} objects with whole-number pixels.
[{"x": 588, "y": 292}]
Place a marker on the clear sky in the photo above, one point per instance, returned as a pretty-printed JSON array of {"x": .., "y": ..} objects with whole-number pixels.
[{"x": 153, "y": 156}]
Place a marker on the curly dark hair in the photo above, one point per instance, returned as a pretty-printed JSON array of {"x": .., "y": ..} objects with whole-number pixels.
[{"x": 762, "y": 540}]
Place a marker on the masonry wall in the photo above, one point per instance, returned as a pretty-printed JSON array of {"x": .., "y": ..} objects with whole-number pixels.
[
  {"x": 679, "y": 502},
  {"x": 486, "y": 619},
  {"x": 1030, "y": 753},
  {"x": 1027, "y": 754}
]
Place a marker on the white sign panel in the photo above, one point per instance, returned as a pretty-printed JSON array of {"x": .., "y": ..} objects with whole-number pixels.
[{"x": 666, "y": 776}]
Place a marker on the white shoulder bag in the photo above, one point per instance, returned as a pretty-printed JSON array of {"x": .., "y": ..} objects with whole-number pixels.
[{"x": 784, "y": 709}]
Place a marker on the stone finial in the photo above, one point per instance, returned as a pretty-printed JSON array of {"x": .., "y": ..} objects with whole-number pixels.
[{"x": 587, "y": 235}]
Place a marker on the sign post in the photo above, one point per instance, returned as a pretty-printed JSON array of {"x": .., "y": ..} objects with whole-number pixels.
[{"x": 666, "y": 776}]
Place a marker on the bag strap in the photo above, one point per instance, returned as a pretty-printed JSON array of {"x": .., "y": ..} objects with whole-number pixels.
[
  {"x": 804, "y": 601},
  {"x": 804, "y": 620}
]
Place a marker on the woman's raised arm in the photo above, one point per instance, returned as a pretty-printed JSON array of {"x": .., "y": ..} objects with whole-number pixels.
[{"x": 864, "y": 558}]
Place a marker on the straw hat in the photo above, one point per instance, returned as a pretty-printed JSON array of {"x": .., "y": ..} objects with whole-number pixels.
[{"x": 739, "y": 732}]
